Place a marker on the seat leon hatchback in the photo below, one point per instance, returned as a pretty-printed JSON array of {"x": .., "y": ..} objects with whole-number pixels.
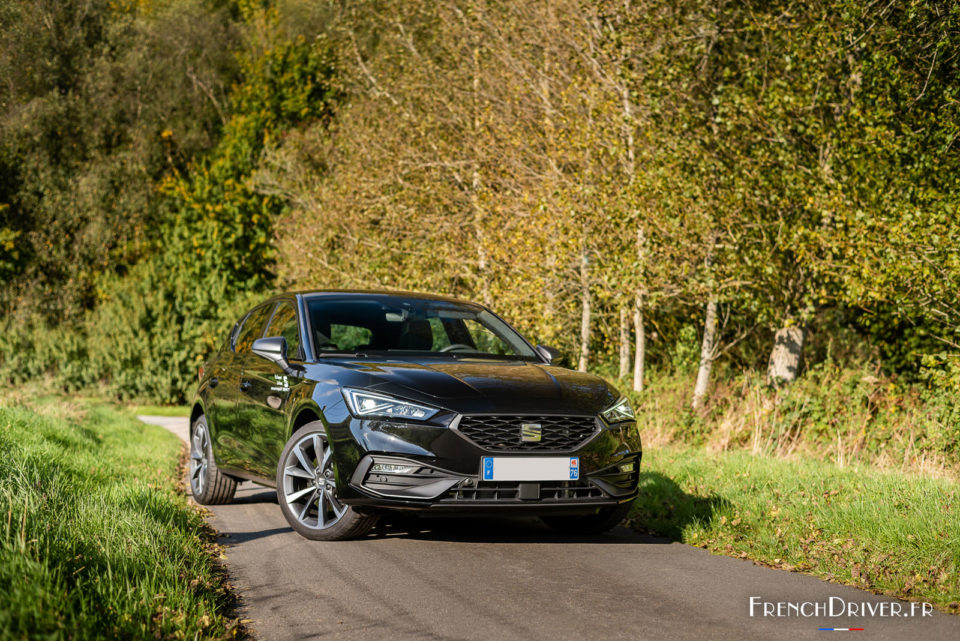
[{"x": 353, "y": 404}]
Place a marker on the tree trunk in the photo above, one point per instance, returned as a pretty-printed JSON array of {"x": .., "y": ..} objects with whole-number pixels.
[
  {"x": 550, "y": 259},
  {"x": 640, "y": 354},
  {"x": 585, "y": 311},
  {"x": 786, "y": 357},
  {"x": 624, "y": 343},
  {"x": 480, "y": 234},
  {"x": 706, "y": 354},
  {"x": 551, "y": 330}
]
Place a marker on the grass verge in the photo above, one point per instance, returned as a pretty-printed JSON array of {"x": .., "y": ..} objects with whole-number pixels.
[
  {"x": 160, "y": 410},
  {"x": 885, "y": 531},
  {"x": 97, "y": 539}
]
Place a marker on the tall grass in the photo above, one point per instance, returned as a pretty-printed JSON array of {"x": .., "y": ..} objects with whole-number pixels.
[
  {"x": 96, "y": 539},
  {"x": 847, "y": 415}
]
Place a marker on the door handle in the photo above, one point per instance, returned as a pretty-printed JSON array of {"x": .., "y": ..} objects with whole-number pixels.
[
  {"x": 244, "y": 386},
  {"x": 214, "y": 381}
]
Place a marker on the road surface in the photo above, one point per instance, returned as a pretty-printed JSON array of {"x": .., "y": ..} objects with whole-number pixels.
[{"x": 513, "y": 579}]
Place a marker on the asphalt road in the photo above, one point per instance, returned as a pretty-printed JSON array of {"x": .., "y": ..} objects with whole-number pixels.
[{"x": 514, "y": 579}]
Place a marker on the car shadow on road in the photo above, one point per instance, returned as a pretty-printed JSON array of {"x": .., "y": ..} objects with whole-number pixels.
[
  {"x": 236, "y": 538},
  {"x": 497, "y": 530},
  {"x": 252, "y": 493},
  {"x": 660, "y": 514}
]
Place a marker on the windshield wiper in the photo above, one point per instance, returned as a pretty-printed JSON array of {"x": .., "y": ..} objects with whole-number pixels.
[{"x": 342, "y": 354}]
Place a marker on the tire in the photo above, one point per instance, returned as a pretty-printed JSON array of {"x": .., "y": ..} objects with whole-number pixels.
[
  {"x": 208, "y": 484},
  {"x": 604, "y": 520},
  {"x": 307, "y": 490}
]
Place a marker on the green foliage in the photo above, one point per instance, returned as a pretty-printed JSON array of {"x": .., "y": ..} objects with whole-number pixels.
[
  {"x": 98, "y": 539},
  {"x": 902, "y": 342},
  {"x": 686, "y": 351},
  {"x": 98, "y": 103},
  {"x": 163, "y": 163},
  {"x": 942, "y": 374},
  {"x": 180, "y": 245},
  {"x": 220, "y": 221}
]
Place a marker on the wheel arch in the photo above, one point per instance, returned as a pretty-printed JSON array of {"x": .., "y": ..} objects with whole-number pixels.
[
  {"x": 305, "y": 413},
  {"x": 195, "y": 413}
]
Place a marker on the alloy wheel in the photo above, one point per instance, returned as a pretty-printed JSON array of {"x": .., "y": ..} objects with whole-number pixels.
[
  {"x": 309, "y": 486},
  {"x": 199, "y": 463}
]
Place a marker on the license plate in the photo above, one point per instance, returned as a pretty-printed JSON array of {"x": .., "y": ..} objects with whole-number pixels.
[{"x": 530, "y": 468}]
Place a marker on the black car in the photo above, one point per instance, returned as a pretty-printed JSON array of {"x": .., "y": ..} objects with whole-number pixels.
[{"x": 356, "y": 403}]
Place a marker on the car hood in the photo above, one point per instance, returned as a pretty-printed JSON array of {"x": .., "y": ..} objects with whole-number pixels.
[{"x": 481, "y": 385}]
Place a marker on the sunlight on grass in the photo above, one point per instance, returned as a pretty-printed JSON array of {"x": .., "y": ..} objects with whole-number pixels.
[
  {"x": 160, "y": 410},
  {"x": 885, "y": 531},
  {"x": 97, "y": 539}
]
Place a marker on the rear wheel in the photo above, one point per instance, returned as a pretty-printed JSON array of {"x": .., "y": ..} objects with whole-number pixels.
[
  {"x": 307, "y": 489},
  {"x": 604, "y": 520},
  {"x": 208, "y": 484}
]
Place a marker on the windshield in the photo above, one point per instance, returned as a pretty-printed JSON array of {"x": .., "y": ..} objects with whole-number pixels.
[{"x": 383, "y": 324}]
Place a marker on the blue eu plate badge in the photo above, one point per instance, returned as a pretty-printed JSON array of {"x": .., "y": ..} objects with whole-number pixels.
[{"x": 487, "y": 468}]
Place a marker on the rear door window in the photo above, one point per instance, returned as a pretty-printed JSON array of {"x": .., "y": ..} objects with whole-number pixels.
[
  {"x": 284, "y": 323},
  {"x": 252, "y": 328}
]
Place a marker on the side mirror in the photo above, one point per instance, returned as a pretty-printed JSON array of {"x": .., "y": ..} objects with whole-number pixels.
[
  {"x": 272, "y": 348},
  {"x": 552, "y": 355}
]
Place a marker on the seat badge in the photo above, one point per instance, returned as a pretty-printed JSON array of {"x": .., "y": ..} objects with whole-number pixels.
[{"x": 530, "y": 432}]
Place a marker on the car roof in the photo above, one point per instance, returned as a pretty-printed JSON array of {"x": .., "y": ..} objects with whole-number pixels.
[{"x": 316, "y": 293}]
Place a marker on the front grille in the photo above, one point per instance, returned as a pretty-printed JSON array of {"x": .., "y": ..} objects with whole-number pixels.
[
  {"x": 502, "y": 433},
  {"x": 499, "y": 492}
]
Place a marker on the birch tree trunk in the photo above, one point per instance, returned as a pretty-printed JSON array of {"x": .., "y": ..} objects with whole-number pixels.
[
  {"x": 786, "y": 357},
  {"x": 550, "y": 292},
  {"x": 640, "y": 352},
  {"x": 706, "y": 354},
  {"x": 585, "y": 311},
  {"x": 624, "y": 343},
  {"x": 480, "y": 235},
  {"x": 550, "y": 261},
  {"x": 641, "y": 345}
]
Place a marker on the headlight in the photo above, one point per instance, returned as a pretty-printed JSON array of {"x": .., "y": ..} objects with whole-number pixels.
[
  {"x": 619, "y": 412},
  {"x": 369, "y": 404}
]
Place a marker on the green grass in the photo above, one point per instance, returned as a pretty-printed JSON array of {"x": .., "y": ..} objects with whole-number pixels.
[
  {"x": 885, "y": 531},
  {"x": 161, "y": 410},
  {"x": 97, "y": 539}
]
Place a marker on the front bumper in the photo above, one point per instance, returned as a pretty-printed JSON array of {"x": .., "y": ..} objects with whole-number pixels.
[{"x": 443, "y": 471}]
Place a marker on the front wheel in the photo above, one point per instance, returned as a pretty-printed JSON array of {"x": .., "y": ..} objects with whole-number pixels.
[
  {"x": 606, "y": 519},
  {"x": 307, "y": 489}
]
